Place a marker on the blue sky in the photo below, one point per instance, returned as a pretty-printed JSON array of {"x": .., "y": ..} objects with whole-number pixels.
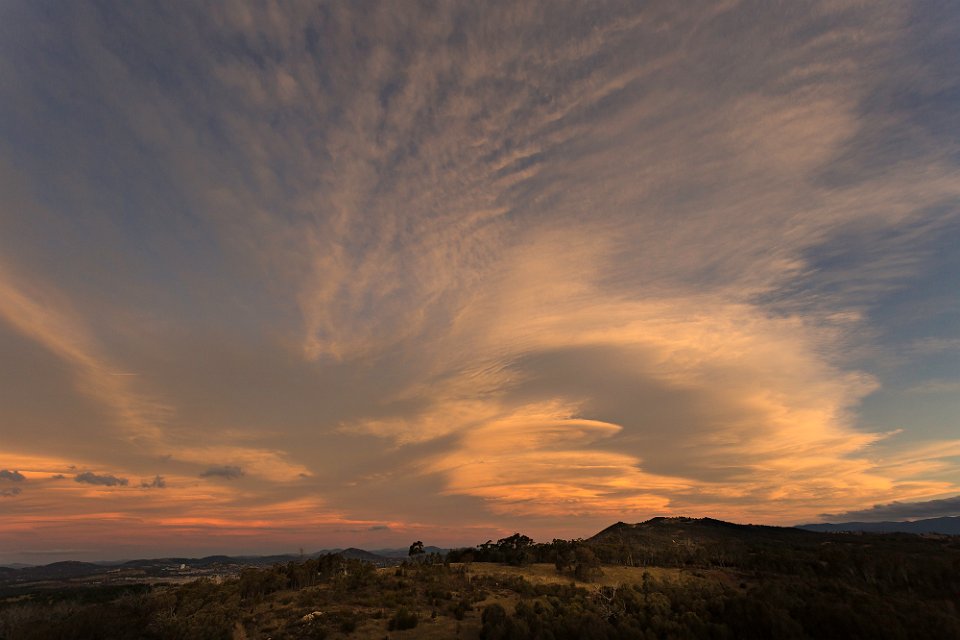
[{"x": 372, "y": 272}]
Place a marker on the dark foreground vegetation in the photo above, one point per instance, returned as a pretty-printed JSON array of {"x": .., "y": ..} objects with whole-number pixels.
[{"x": 667, "y": 578}]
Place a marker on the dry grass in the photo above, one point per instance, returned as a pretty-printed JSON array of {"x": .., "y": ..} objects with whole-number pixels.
[
  {"x": 372, "y": 625},
  {"x": 446, "y": 627},
  {"x": 547, "y": 574}
]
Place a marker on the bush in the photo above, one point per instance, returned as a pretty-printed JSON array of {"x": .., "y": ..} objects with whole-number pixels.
[
  {"x": 403, "y": 619},
  {"x": 495, "y": 622}
]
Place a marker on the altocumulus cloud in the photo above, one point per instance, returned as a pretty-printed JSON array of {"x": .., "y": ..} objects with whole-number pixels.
[
  {"x": 13, "y": 476},
  {"x": 223, "y": 471},
  {"x": 106, "y": 480}
]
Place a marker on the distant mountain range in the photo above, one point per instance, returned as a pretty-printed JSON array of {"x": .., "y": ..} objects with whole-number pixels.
[
  {"x": 948, "y": 526},
  {"x": 71, "y": 569},
  {"x": 73, "y": 573},
  {"x": 647, "y": 538}
]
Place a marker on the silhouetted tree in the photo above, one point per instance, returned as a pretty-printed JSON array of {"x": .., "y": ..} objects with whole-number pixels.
[{"x": 416, "y": 549}]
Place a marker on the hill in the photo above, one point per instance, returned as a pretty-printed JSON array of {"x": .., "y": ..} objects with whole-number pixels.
[
  {"x": 353, "y": 553},
  {"x": 900, "y": 559},
  {"x": 56, "y": 571},
  {"x": 696, "y": 541}
]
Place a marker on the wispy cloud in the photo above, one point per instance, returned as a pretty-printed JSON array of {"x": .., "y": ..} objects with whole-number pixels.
[
  {"x": 42, "y": 314},
  {"x": 13, "y": 476}
]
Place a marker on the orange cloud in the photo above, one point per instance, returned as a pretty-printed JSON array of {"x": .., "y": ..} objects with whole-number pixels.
[{"x": 776, "y": 409}]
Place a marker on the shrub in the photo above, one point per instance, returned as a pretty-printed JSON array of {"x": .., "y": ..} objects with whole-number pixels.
[
  {"x": 495, "y": 622},
  {"x": 403, "y": 619}
]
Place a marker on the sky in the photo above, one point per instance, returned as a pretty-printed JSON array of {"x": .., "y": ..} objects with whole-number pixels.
[{"x": 323, "y": 274}]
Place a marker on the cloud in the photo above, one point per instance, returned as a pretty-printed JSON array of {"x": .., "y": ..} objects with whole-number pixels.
[
  {"x": 270, "y": 464},
  {"x": 57, "y": 476},
  {"x": 513, "y": 262},
  {"x": 13, "y": 476},
  {"x": 224, "y": 471},
  {"x": 9, "y": 493},
  {"x": 900, "y": 511},
  {"x": 106, "y": 480},
  {"x": 634, "y": 407},
  {"x": 700, "y": 314},
  {"x": 379, "y": 527},
  {"x": 158, "y": 482},
  {"x": 45, "y": 315}
]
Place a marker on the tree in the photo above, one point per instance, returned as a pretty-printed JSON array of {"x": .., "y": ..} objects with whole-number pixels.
[
  {"x": 515, "y": 549},
  {"x": 588, "y": 566},
  {"x": 416, "y": 549},
  {"x": 565, "y": 554}
]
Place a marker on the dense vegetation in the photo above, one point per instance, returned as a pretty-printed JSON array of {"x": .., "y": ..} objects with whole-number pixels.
[
  {"x": 691, "y": 579},
  {"x": 316, "y": 598},
  {"x": 703, "y": 608}
]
